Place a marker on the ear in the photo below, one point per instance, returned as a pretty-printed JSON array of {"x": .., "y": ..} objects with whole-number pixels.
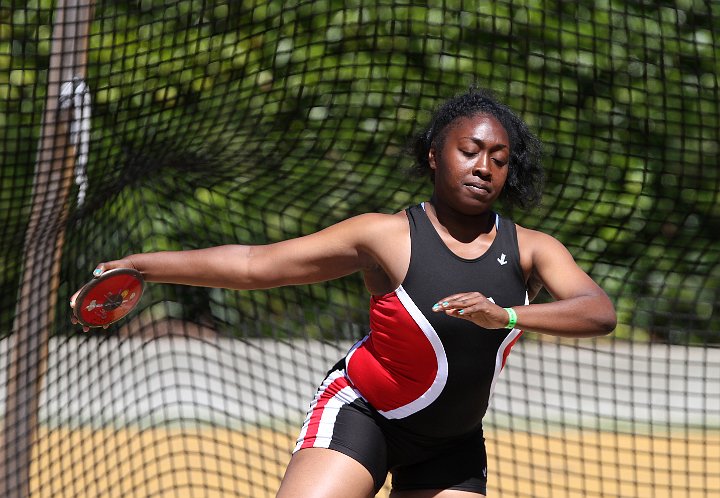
[{"x": 431, "y": 159}]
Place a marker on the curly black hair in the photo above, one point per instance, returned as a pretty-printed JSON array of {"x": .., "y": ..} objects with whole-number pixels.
[{"x": 524, "y": 183}]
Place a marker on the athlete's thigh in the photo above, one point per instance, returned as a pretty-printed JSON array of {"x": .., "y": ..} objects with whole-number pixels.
[
  {"x": 324, "y": 473},
  {"x": 434, "y": 493}
]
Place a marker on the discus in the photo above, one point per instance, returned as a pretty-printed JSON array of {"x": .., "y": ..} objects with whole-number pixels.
[{"x": 109, "y": 297}]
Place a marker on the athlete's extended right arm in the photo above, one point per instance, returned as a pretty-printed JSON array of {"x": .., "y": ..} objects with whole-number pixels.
[{"x": 334, "y": 252}]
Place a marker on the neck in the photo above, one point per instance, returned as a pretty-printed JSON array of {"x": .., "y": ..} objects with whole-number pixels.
[{"x": 462, "y": 227}]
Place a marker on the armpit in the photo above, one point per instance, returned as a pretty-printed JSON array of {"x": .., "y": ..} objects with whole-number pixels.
[{"x": 534, "y": 285}]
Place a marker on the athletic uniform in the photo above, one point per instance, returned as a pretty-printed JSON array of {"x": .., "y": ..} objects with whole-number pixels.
[{"x": 410, "y": 396}]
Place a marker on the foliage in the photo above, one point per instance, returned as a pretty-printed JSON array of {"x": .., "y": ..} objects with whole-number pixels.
[{"x": 252, "y": 121}]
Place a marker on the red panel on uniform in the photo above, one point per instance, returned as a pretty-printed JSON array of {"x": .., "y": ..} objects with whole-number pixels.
[{"x": 397, "y": 363}]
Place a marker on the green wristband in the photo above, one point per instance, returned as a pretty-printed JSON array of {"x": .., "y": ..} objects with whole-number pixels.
[{"x": 512, "y": 318}]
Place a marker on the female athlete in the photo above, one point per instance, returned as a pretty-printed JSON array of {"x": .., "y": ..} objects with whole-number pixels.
[{"x": 450, "y": 285}]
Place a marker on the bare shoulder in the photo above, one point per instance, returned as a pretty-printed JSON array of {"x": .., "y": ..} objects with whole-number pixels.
[
  {"x": 368, "y": 223},
  {"x": 385, "y": 240},
  {"x": 382, "y": 220},
  {"x": 530, "y": 240},
  {"x": 370, "y": 233},
  {"x": 538, "y": 248},
  {"x": 379, "y": 228}
]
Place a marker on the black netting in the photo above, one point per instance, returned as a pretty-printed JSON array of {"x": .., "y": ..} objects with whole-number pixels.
[{"x": 186, "y": 124}]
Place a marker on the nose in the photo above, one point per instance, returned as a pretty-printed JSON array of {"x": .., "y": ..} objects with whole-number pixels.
[{"x": 482, "y": 167}]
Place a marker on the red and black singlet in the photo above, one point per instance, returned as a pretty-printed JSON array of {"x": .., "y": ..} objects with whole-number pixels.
[{"x": 426, "y": 372}]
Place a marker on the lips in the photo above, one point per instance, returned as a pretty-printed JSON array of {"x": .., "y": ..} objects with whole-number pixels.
[{"x": 481, "y": 188}]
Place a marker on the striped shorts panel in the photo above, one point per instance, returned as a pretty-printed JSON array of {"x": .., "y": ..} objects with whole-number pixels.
[{"x": 340, "y": 419}]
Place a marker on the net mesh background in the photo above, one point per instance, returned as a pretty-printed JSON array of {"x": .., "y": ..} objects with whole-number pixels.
[{"x": 196, "y": 123}]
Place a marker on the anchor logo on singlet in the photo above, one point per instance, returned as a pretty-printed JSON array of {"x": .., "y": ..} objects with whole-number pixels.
[{"x": 502, "y": 259}]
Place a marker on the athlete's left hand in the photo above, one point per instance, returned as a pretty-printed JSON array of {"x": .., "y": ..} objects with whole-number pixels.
[{"x": 474, "y": 307}]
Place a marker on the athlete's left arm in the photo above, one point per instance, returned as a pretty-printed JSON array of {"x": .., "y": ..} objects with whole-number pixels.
[{"x": 580, "y": 307}]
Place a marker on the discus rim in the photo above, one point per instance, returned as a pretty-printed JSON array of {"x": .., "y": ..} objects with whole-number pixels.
[{"x": 109, "y": 297}]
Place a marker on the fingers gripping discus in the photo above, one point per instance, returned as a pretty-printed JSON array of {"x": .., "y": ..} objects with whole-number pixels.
[{"x": 109, "y": 297}]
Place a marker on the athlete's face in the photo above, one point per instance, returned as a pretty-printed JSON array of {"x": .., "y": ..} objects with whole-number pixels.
[{"x": 471, "y": 165}]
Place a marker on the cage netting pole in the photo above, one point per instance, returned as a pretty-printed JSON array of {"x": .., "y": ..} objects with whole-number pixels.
[{"x": 56, "y": 159}]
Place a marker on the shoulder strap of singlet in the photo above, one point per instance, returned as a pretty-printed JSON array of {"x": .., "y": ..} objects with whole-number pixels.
[{"x": 421, "y": 207}]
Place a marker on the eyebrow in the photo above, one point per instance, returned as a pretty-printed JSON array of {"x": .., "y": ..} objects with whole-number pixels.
[{"x": 482, "y": 143}]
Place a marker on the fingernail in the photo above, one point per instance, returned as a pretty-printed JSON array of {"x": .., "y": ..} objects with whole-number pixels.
[
  {"x": 436, "y": 306},
  {"x": 97, "y": 272},
  {"x": 445, "y": 304},
  {"x": 460, "y": 312}
]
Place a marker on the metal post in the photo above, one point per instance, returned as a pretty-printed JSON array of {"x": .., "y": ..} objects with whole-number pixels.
[{"x": 43, "y": 249}]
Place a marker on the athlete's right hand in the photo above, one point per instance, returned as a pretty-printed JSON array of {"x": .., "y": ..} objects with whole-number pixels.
[
  {"x": 473, "y": 307},
  {"x": 99, "y": 270}
]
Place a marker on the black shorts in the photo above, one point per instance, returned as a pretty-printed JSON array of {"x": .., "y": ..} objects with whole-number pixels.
[{"x": 340, "y": 419}]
